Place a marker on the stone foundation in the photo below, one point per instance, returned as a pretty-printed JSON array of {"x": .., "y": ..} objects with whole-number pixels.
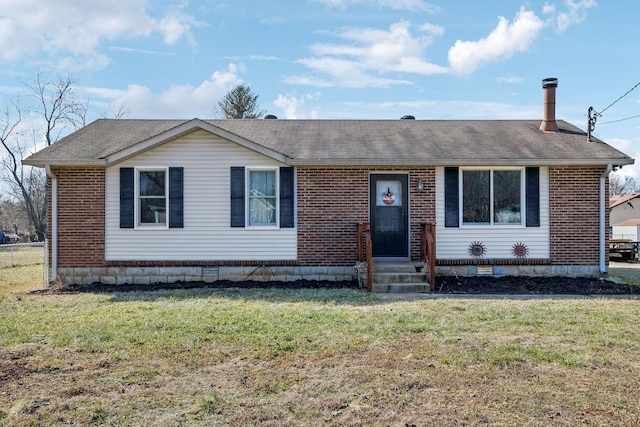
[
  {"x": 519, "y": 270},
  {"x": 150, "y": 275}
]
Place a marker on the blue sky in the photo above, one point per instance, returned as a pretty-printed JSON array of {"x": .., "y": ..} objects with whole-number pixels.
[{"x": 336, "y": 59}]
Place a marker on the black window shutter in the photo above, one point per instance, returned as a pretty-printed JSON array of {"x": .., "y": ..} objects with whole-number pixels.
[
  {"x": 451, "y": 199},
  {"x": 127, "y": 198},
  {"x": 533, "y": 196},
  {"x": 237, "y": 196},
  {"x": 286, "y": 197},
  {"x": 176, "y": 197}
]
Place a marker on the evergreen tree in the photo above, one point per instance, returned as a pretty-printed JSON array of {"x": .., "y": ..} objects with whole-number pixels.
[{"x": 240, "y": 103}]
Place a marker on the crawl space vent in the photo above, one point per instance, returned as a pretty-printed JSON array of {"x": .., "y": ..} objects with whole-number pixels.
[{"x": 485, "y": 270}]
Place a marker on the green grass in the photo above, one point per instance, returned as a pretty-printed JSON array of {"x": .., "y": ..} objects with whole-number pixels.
[
  {"x": 314, "y": 357},
  {"x": 18, "y": 255}
]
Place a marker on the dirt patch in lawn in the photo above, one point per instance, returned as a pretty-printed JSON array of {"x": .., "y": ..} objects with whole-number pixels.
[{"x": 444, "y": 285}]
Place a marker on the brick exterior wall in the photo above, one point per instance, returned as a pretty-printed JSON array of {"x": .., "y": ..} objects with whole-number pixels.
[
  {"x": 331, "y": 203},
  {"x": 574, "y": 204},
  {"x": 80, "y": 216}
]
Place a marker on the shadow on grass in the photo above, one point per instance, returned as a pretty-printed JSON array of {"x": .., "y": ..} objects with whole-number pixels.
[
  {"x": 349, "y": 293},
  {"x": 343, "y": 293}
]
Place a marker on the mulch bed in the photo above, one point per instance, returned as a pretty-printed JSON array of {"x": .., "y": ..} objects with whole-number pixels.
[
  {"x": 444, "y": 285},
  {"x": 532, "y": 285}
]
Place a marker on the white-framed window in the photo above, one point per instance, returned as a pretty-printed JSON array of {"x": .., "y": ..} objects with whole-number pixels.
[
  {"x": 151, "y": 196},
  {"x": 492, "y": 196},
  {"x": 262, "y": 197}
]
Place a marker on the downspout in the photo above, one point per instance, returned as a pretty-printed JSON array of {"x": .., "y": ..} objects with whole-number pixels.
[
  {"x": 54, "y": 224},
  {"x": 603, "y": 205}
]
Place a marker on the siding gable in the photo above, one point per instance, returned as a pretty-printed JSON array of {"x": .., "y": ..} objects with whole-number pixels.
[{"x": 206, "y": 234}]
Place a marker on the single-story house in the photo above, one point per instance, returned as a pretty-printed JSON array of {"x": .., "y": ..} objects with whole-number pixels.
[{"x": 145, "y": 201}]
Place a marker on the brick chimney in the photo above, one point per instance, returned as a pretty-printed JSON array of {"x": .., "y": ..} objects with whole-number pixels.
[{"x": 549, "y": 121}]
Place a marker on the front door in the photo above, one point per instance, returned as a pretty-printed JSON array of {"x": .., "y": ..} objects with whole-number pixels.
[{"x": 389, "y": 210}]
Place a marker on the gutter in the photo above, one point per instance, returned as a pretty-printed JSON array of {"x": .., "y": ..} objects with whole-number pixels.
[
  {"x": 54, "y": 224},
  {"x": 603, "y": 205}
]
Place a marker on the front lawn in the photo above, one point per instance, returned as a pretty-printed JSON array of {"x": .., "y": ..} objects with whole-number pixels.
[{"x": 315, "y": 357}]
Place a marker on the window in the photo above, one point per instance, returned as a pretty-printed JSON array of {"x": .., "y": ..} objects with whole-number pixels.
[
  {"x": 262, "y": 198},
  {"x": 491, "y": 196},
  {"x": 499, "y": 196},
  {"x": 152, "y": 197}
]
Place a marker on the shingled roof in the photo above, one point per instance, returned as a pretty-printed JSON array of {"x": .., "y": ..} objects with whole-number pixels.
[{"x": 346, "y": 142}]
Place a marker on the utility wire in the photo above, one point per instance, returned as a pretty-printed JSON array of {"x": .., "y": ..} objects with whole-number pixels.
[
  {"x": 619, "y": 120},
  {"x": 627, "y": 93}
]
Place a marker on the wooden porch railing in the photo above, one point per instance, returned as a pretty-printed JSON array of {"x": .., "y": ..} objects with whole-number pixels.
[
  {"x": 365, "y": 254},
  {"x": 429, "y": 251}
]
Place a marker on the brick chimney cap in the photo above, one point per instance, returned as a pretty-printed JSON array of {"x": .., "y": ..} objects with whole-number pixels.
[{"x": 550, "y": 82}]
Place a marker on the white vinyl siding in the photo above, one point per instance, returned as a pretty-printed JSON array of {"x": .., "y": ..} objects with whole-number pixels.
[
  {"x": 453, "y": 242},
  {"x": 207, "y": 234}
]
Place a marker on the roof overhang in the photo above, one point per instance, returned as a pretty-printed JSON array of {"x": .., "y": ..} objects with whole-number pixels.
[
  {"x": 41, "y": 163},
  {"x": 461, "y": 162}
]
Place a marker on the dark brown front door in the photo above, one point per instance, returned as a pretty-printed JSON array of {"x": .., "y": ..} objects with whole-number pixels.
[{"x": 388, "y": 201}]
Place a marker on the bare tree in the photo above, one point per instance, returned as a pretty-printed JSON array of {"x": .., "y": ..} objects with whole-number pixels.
[
  {"x": 240, "y": 103},
  {"x": 55, "y": 113},
  {"x": 621, "y": 184},
  {"x": 57, "y": 105}
]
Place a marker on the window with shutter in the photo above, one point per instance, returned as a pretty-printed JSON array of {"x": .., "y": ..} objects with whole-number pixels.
[
  {"x": 262, "y": 197},
  {"x": 492, "y": 196},
  {"x": 151, "y": 197}
]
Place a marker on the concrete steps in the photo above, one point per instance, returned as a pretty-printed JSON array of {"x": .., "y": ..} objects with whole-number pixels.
[{"x": 398, "y": 277}]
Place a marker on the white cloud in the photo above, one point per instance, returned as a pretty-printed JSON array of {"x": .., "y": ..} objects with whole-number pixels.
[
  {"x": 506, "y": 39},
  {"x": 368, "y": 53},
  {"x": 510, "y": 79},
  {"x": 411, "y": 5},
  {"x": 77, "y": 28},
  {"x": 343, "y": 73},
  {"x": 436, "y": 30},
  {"x": 178, "y": 101},
  {"x": 292, "y": 106},
  {"x": 577, "y": 13}
]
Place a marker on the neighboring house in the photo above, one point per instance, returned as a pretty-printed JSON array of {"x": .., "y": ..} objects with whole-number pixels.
[
  {"x": 144, "y": 201},
  {"x": 624, "y": 207},
  {"x": 624, "y": 217},
  {"x": 626, "y": 230}
]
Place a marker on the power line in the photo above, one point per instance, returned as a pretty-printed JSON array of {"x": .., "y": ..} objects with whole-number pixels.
[
  {"x": 593, "y": 115},
  {"x": 620, "y": 120},
  {"x": 614, "y": 102}
]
